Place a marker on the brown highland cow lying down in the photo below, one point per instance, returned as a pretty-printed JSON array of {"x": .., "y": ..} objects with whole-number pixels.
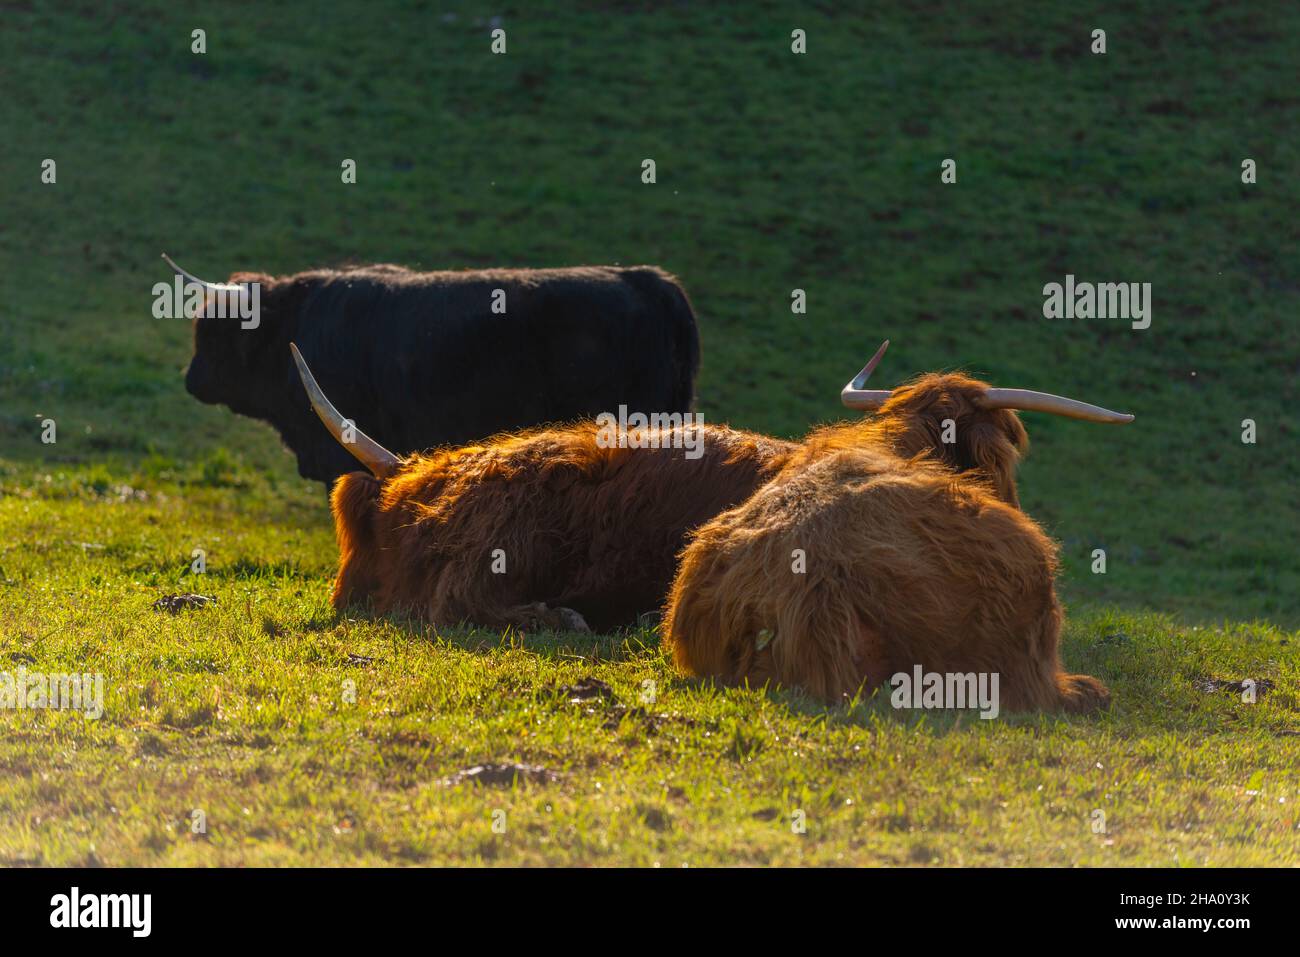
[
  {"x": 560, "y": 527},
  {"x": 860, "y": 565}
]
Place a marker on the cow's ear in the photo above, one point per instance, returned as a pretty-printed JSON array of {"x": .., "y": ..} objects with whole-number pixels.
[
  {"x": 250, "y": 341},
  {"x": 994, "y": 448},
  {"x": 353, "y": 505}
]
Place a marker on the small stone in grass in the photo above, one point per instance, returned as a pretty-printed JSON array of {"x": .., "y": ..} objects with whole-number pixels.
[
  {"x": 584, "y": 689},
  {"x": 1211, "y": 685},
  {"x": 502, "y": 774},
  {"x": 175, "y": 604}
]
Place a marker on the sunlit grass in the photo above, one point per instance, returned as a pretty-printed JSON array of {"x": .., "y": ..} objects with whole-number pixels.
[{"x": 306, "y": 737}]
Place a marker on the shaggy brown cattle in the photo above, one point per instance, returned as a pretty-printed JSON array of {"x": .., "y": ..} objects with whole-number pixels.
[
  {"x": 858, "y": 565},
  {"x": 544, "y": 528},
  {"x": 560, "y": 527},
  {"x": 868, "y": 554}
]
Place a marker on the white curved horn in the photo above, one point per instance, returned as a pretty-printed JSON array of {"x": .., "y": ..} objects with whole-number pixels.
[
  {"x": 1031, "y": 401},
  {"x": 381, "y": 462},
  {"x": 238, "y": 290},
  {"x": 855, "y": 397}
]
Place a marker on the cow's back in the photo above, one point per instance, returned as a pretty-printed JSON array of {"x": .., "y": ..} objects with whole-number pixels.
[
  {"x": 578, "y": 521},
  {"x": 421, "y": 360}
]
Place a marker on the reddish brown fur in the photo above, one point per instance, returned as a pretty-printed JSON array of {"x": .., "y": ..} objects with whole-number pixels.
[
  {"x": 905, "y": 564},
  {"x": 583, "y": 527},
  {"x": 598, "y": 529},
  {"x": 988, "y": 444}
]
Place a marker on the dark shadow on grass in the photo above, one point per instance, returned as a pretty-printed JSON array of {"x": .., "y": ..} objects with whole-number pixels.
[
  {"x": 242, "y": 569},
  {"x": 864, "y": 710},
  {"x": 872, "y": 708},
  {"x": 1152, "y": 676},
  {"x": 594, "y": 648}
]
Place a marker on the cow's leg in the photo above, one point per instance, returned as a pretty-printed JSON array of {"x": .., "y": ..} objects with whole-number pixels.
[
  {"x": 572, "y": 620},
  {"x": 1024, "y": 652},
  {"x": 540, "y": 615},
  {"x": 1082, "y": 694}
]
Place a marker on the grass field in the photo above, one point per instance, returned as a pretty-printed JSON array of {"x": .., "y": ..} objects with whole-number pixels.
[{"x": 775, "y": 172}]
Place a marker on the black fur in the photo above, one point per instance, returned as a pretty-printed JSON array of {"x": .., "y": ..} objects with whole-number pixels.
[{"x": 419, "y": 360}]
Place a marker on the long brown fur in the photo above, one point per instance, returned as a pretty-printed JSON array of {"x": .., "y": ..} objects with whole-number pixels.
[
  {"x": 906, "y": 564},
  {"x": 597, "y": 530},
  {"x": 577, "y": 526}
]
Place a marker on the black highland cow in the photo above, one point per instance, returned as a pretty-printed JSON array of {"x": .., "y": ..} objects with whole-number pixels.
[{"x": 422, "y": 360}]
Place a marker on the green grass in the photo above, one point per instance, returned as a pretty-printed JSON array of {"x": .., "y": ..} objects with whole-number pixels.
[{"x": 774, "y": 172}]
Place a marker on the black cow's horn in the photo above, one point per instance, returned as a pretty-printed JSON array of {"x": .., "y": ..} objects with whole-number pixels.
[
  {"x": 230, "y": 288},
  {"x": 381, "y": 462}
]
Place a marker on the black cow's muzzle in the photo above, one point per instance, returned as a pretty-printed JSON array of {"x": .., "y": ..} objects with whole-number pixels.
[{"x": 200, "y": 382}]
